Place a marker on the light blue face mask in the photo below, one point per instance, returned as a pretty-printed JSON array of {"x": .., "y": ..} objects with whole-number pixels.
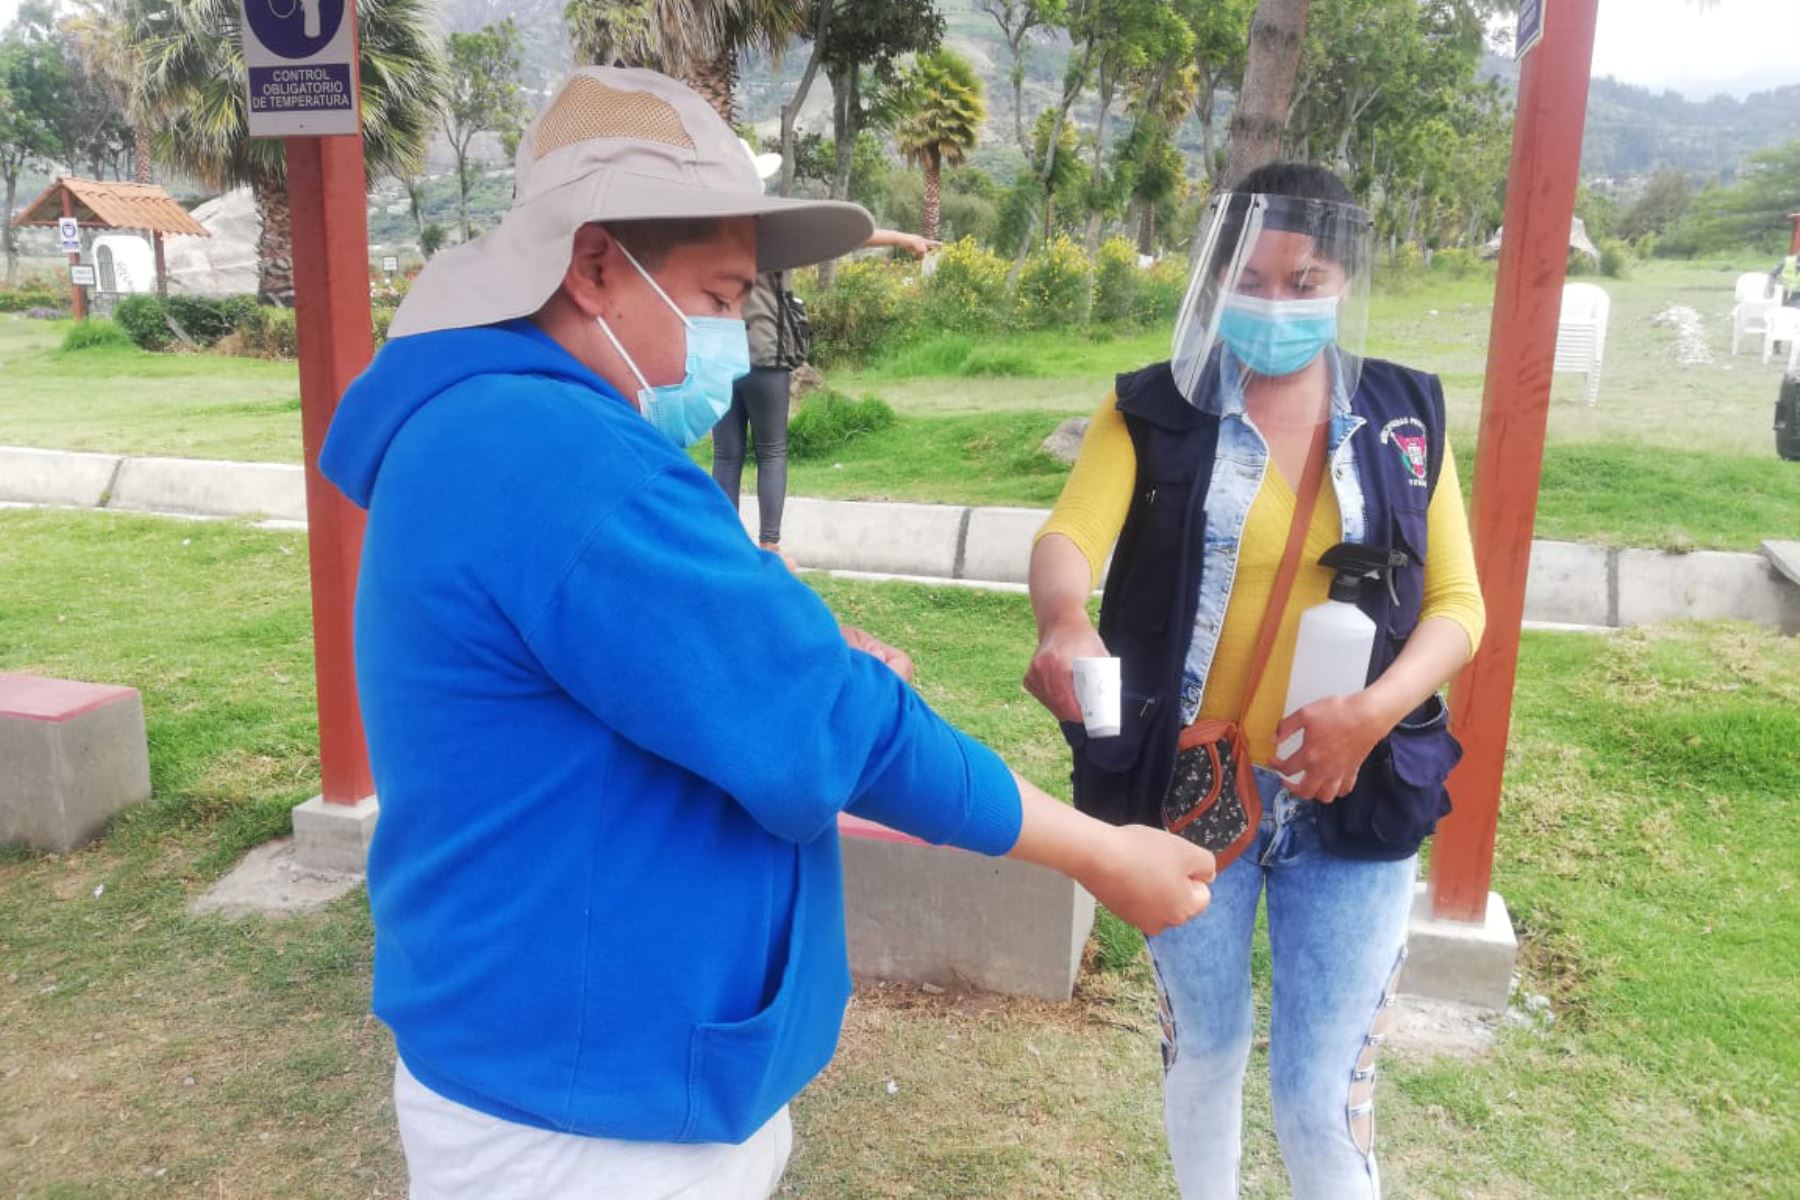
[
  {"x": 718, "y": 355},
  {"x": 1278, "y": 337}
]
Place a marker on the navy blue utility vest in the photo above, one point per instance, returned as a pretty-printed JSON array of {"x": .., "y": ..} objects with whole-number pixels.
[{"x": 1153, "y": 590}]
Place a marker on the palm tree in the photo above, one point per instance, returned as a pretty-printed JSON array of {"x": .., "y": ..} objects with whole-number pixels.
[
  {"x": 107, "y": 35},
  {"x": 941, "y": 120},
  {"x": 192, "y": 90},
  {"x": 696, "y": 40}
]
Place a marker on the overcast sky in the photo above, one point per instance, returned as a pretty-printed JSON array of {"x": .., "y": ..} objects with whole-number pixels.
[{"x": 1735, "y": 46}]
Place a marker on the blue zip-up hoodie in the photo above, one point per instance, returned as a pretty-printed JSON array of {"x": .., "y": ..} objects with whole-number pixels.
[{"x": 611, "y": 740}]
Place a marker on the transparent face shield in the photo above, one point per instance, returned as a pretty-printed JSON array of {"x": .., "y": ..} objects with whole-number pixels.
[{"x": 1280, "y": 289}]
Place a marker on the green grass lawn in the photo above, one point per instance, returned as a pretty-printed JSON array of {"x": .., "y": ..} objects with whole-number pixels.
[
  {"x": 1670, "y": 457},
  {"x": 1647, "y": 849}
]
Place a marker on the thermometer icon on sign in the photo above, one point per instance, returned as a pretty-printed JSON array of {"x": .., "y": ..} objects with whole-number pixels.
[{"x": 308, "y": 10}]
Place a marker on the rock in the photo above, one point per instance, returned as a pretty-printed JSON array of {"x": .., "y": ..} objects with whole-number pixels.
[
  {"x": 1064, "y": 445},
  {"x": 803, "y": 379}
]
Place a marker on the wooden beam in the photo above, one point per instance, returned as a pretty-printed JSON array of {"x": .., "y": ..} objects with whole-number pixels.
[{"x": 1534, "y": 256}]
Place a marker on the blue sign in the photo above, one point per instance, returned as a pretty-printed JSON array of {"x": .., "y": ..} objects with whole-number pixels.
[
  {"x": 1531, "y": 27},
  {"x": 294, "y": 28}
]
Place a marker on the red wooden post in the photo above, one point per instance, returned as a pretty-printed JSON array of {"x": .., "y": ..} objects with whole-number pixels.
[
  {"x": 1534, "y": 256},
  {"x": 328, "y": 201},
  {"x": 1794, "y": 242},
  {"x": 77, "y": 298}
]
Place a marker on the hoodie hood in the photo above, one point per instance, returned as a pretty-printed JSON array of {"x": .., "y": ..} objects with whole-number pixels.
[{"x": 410, "y": 371}]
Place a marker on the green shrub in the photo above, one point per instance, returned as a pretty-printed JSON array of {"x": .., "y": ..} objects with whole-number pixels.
[
  {"x": 33, "y": 293},
  {"x": 829, "y": 421},
  {"x": 874, "y": 305},
  {"x": 206, "y": 319},
  {"x": 966, "y": 292},
  {"x": 1645, "y": 246},
  {"x": 1117, "y": 282},
  {"x": 145, "y": 321},
  {"x": 1161, "y": 292},
  {"x": 1053, "y": 285},
  {"x": 94, "y": 334},
  {"x": 1615, "y": 258},
  {"x": 1455, "y": 262},
  {"x": 381, "y": 316},
  {"x": 268, "y": 332}
]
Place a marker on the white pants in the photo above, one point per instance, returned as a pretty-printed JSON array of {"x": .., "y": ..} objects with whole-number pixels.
[{"x": 456, "y": 1153}]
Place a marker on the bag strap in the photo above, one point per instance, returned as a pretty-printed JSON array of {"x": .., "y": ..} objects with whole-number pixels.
[{"x": 1304, "y": 502}]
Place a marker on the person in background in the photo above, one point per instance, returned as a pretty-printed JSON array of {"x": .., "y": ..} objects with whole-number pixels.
[
  {"x": 759, "y": 401},
  {"x": 1201, "y": 470},
  {"x": 611, "y": 737},
  {"x": 1786, "y": 276}
]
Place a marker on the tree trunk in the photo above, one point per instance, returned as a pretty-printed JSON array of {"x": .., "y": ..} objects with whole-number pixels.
[
  {"x": 1096, "y": 218},
  {"x": 1018, "y": 82},
  {"x": 930, "y": 217},
  {"x": 140, "y": 153},
  {"x": 1147, "y": 227},
  {"x": 790, "y": 112},
  {"x": 1203, "y": 109},
  {"x": 8, "y": 234},
  {"x": 717, "y": 82},
  {"x": 462, "y": 190},
  {"x": 844, "y": 113},
  {"x": 275, "y": 242},
  {"x": 1277, "y": 36}
]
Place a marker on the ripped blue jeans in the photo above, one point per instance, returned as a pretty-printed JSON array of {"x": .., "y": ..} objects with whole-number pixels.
[{"x": 1337, "y": 934}]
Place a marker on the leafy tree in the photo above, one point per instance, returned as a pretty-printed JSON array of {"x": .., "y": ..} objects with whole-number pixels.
[
  {"x": 697, "y": 41},
  {"x": 108, "y": 40},
  {"x": 482, "y": 95},
  {"x": 34, "y": 106},
  {"x": 1751, "y": 212},
  {"x": 1018, "y": 20},
  {"x": 1138, "y": 45},
  {"x": 1664, "y": 202},
  {"x": 941, "y": 117},
  {"x": 1221, "y": 30},
  {"x": 192, "y": 91}
]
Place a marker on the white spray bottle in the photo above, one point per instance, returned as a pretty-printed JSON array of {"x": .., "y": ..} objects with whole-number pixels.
[{"x": 1336, "y": 638}]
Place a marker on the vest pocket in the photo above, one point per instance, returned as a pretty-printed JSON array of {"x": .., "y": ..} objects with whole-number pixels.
[
  {"x": 1399, "y": 795},
  {"x": 1141, "y": 592}
]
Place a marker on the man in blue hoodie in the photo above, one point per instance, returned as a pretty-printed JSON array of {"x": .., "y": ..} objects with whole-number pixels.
[{"x": 606, "y": 883}]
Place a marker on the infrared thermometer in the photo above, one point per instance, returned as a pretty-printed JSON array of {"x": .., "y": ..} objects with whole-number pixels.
[{"x": 309, "y": 10}]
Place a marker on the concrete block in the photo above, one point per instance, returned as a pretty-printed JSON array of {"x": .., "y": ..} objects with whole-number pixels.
[
  {"x": 217, "y": 489},
  {"x": 1569, "y": 584},
  {"x": 334, "y": 837},
  {"x": 1784, "y": 556},
  {"x": 929, "y": 914},
  {"x": 1706, "y": 585},
  {"x": 998, "y": 546},
  {"x": 905, "y": 539},
  {"x": 1457, "y": 961},
  {"x": 71, "y": 756},
  {"x": 55, "y": 476}
]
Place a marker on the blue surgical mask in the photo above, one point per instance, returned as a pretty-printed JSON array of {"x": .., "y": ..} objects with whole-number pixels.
[
  {"x": 1278, "y": 337},
  {"x": 718, "y": 355}
]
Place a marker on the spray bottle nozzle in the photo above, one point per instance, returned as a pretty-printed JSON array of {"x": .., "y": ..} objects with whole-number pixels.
[{"x": 1355, "y": 562}]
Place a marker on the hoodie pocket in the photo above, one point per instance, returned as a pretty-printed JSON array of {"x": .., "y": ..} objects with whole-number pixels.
[{"x": 742, "y": 1072}]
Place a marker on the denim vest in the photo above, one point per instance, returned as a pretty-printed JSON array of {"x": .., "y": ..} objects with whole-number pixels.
[{"x": 1166, "y": 594}]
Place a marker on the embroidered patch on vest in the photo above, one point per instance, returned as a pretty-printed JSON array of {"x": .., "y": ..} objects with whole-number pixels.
[{"x": 1414, "y": 450}]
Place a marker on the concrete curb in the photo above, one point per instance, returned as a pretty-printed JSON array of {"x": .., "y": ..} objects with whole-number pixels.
[{"x": 1571, "y": 583}]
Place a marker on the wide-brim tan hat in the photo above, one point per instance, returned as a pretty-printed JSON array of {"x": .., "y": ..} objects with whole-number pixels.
[{"x": 616, "y": 144}]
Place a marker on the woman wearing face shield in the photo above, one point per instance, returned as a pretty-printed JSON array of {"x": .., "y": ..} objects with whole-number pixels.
[{"x": 1269, "y": 439}]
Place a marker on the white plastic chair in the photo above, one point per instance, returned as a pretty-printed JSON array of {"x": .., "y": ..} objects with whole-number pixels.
[
  {"x": 1757, "y": 296},
  {"x": 1755, "y": 285},
  {"x": 1782, "y": 325},
  {"x": 1581, "y": 333}
]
